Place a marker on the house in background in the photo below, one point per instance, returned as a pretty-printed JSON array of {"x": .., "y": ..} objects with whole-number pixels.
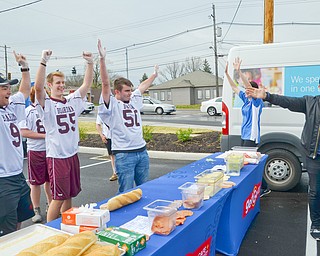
[{"x": 192, "y": 88}]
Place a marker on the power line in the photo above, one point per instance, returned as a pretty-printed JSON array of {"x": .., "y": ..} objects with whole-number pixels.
[
  {"x": 20, "y": 6},
  {"x": 234, "y": 16}
]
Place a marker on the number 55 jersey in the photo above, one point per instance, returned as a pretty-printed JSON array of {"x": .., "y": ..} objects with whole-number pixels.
[
  {"x": 11, "y": 150},
  {"x": 60, "y": 119}
]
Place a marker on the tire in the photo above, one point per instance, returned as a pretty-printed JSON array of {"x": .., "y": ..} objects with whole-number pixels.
[
  {"x": 283, "y": 170},
  {"x": 159, "y": 111},
  {"x": 212, "y": 111}
]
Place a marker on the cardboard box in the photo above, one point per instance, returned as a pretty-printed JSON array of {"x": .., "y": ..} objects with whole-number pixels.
[
  {"x": 95, "y": 218},
  {"x": 131, "y": 242},
  {"x": 73, "y": 229}
]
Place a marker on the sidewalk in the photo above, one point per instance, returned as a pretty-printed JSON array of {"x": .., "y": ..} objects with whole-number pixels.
[{"x": 152, "y": 154}]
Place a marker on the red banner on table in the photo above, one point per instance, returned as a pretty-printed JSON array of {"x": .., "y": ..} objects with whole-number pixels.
[
  {"x": 203, "y": 250},
  {"x": 251, "y": 200}
]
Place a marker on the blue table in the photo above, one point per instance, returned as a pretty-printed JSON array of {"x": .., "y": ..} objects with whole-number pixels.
[{"x": 206, "y": 222}]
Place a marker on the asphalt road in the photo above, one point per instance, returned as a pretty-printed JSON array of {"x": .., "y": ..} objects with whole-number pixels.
[{"x": 191, "y": 118}]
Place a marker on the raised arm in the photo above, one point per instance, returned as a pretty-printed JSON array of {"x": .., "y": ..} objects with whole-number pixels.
[
  {"x": 106, "y": 89},
  {"x": 88, "y": 76},
  {"x": 236, "y": 66},
  {"x": 41, "y": 77},
  {"x": 148, "y": 82},
  {"x": 25, "y": 84},
  {"x": 234, "y": 87}
]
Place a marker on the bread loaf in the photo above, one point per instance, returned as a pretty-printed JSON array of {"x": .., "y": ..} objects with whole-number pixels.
[
  {"x": 74, "y": 246},
  {"x": 44, "y": 245},
  {"x": 121, "y": 200},
  {"x": 102, "y": 250}
]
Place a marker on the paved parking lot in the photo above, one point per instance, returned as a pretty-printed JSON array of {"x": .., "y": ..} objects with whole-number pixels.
[{"x": 280, "y": 228}]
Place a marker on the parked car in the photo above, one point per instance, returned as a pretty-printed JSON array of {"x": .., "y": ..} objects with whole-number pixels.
[
  {"x": 89, "y": 106},
  {"x": 213, "y": 107},
  {"x": 151, "y": 105}
]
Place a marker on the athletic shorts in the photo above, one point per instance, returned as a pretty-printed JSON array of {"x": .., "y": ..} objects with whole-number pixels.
[
  {"x": 108, "y": 146},
  {"x": 15, "y": 201},
  {"x": 64, "y": 174},
  {"x": 37, "y": 167}
]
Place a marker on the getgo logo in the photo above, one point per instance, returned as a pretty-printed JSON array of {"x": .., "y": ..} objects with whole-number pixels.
[{"x": 251, "y": 200}]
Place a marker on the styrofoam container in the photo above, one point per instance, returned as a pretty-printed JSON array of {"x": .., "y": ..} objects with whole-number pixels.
[
  {"x": 192, "y": 195},
  {"x": 161, "y": 216},
  {"x": 212, "y": 179}
]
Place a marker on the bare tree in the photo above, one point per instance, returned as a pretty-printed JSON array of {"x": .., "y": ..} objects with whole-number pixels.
[
  {"x": 192, "y": 64},
  {"x": 74, "y": 80},
  {"x": 172, "y": 71}
]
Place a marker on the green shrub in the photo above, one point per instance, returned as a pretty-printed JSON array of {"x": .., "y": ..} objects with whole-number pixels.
[
  {"x": 184, "y": 135},
  {"x": 83, "y": 133},
  {"x": 147, "y": 132}
]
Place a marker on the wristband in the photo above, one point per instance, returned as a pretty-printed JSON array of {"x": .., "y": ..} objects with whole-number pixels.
[
  {"x": 43, "y": 64},
  {"x": 24, "y": 69}
]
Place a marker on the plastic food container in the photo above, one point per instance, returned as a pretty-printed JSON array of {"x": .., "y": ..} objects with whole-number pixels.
[
  {"x": 192, "y": 195},
  {"x": 234, "y": 163},
  {"x": 212, "y": 179},
  {"x": 161, "y": 216}
]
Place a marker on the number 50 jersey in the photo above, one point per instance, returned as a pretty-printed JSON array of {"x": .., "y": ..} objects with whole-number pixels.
[
  {"x": 124, "y": 120},
  {"x": 60, "y": 119}
]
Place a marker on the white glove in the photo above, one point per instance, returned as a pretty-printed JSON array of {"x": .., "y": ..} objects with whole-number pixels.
[
  {"x": 156, "y": 70},
  {"x": 46, "y": 54},
  {"x": 88, "y": 56},
  {"x": 101, "y": 50},
  {"x": 22, "y": 61}
]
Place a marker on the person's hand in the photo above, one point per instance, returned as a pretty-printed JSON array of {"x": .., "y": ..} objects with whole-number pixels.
[
  {"x": 21, "y": 60},
  {"x": 88, "y": 56},
  {"x": 156, "y": 70},
  {"x": 104, "y": 139},
  {"x": 237, "y": 63},
  {"x": 45, "y": 56},
  {"x": 226, "y": 70},
  {"x": 256, "y": 93},
  {"x": 101, "y": 50}
]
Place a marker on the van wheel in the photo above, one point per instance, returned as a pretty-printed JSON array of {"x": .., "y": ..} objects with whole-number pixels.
[
  {"x": 211, "y": 111},
  {"x": 282, "y": 171}
]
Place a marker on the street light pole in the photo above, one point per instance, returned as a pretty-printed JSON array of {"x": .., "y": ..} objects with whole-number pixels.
[{"x": 213, "y": 15}]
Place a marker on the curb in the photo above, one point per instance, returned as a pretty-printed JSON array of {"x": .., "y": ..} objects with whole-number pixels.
[{"x": 152, "y": 154}]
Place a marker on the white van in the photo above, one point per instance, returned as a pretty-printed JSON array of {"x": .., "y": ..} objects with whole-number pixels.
[{"x": 290, "y": 69}]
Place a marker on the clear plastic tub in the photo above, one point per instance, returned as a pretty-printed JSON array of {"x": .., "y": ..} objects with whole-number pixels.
[
  {"x": 212, "y": 179},
  {"x": 161, "y": 216},
  {"x": 192, "y": 195},
  {"x": 234, "y": 163}
]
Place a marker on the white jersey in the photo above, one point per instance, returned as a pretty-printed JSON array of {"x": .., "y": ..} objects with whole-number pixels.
[
  {"x": 34, "y": 123},
  {"x": 11, "y": 150},
  {"x": 60, "y": 119},
  {"x": 124, "y": 120},
  {"x": 105, "y": 128}
]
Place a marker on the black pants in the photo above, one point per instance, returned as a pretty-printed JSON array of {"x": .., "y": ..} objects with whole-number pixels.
[{"x": 313, "y": 168}]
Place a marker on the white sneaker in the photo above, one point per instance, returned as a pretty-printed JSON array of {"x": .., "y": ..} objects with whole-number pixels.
[{"x": 37, "y": 217}]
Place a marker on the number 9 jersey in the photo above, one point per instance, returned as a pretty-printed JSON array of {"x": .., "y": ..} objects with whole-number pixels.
[
  {"x": 60, "y": 119},
  {"x": 11, "y": 151}
]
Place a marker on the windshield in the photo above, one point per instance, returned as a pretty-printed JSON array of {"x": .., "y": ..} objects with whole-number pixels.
[{"x": 156, "y": 101}]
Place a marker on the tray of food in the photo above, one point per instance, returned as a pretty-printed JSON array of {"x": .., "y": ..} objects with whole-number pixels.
[{"x": 15, "y": 242}]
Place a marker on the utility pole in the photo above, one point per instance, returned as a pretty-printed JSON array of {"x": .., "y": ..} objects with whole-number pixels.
[
  {"x": 5, "y": 59},
  {"x": 268, "y": 21},
  {"x": 213, "y": 15},
  {"x": 127, "y": 64}
]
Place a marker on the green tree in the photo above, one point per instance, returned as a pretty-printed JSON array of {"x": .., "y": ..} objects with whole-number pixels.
[
  {"x": 144, "y": 77},
  {"x": 206, "y": 66}
]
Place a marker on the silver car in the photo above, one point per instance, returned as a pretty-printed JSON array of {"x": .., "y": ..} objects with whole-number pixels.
[{"x": 151, "y": 105}]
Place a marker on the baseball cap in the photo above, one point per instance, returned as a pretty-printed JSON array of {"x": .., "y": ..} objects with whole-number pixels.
[{"x": 4, "y": 81}]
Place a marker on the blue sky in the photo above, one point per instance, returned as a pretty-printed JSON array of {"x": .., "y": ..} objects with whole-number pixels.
[{"x": 69, "y": 27}]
